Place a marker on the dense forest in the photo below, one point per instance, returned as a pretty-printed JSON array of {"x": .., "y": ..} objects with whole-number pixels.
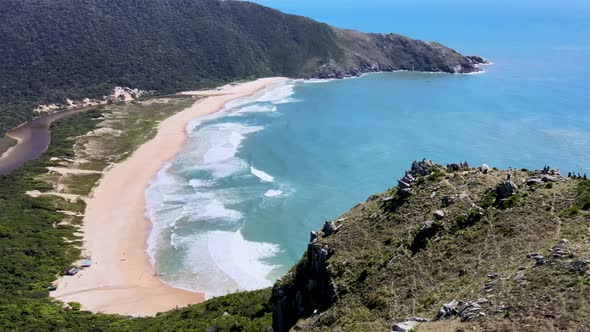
[{"x": 57, "y": 49}]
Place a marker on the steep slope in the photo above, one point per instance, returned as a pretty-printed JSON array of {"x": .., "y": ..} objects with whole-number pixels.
[
  {"x": 512, "y": 254},
  {"x": 58, "y": 49}
]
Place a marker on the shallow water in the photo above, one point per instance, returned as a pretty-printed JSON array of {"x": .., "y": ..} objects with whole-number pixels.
[
  {"x": 33, "y": 139},
  {"x": 234, "y": 209}
]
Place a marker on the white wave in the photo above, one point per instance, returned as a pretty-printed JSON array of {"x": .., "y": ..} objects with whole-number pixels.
[
  {"x": 263, "y": 176},
  {"x": 198, "y": 183},
  {"x": 255, "y": 109},
  {"x": 221, "y": 262},
  {"x": 242, "y": 260},
  {"x": 213, "y": 148},
  {"x": 318, "y": 81},
  {"x": 273, "y": 193},
  {"x": 280, "y": 93}
]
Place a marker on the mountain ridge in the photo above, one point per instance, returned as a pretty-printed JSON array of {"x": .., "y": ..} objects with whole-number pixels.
[{"x": 66, "y": 49}]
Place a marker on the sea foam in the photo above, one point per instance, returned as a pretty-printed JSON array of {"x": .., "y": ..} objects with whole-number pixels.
[
  {"x": 195, "y": 203},
  {"x": 263, "y": 176},
  {"x": 273, "y": 193}
]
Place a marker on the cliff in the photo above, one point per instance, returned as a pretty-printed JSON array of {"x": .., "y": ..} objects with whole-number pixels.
[
  {"x": 448, "y": 248},
  {"x": 54, "y": 50}
]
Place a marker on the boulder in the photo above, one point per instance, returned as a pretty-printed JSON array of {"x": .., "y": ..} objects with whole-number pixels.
[
  {"x": 406, "y": 192},
  {"x": 404, "y": 326},
  {"x": 533, "y": 181},
  {"x": 448, "y": 200},
  {"x": 402, "y": 184},
  {"x": 408, "y": 325},
  {"x": 549, "y": 178},
  {"x": 540, "y": 259},
  {"x": 454, "y": 167},
  {"x": 329, "y": 228},
  {"x": 313, "y": 236},
  {"x": 464, "y": 310},
  {"x": 485, "y": 169},
  {"x": 439, "y": 214},
  {"x": 421, "y": 167},
  {"x": 506, "y": 189}
]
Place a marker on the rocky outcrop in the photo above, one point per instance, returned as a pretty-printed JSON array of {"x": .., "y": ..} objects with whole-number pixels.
[
  {"x": 302, "y": 291},
  {"x": 505, "y": 189},
  {"x": 408, "y": 325},
  {"x": 465, "y": 310}
]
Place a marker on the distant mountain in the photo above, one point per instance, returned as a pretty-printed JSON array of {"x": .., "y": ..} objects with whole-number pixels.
[{"x": 57, "y": 49}]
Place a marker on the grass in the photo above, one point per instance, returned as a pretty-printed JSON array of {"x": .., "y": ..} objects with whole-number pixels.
[
  {"x": 379, "y": 282},
  {"x": 6, "y": 143}
]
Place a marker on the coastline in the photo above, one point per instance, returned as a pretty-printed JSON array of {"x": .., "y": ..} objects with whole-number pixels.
[{"x": 121, "y": 279}]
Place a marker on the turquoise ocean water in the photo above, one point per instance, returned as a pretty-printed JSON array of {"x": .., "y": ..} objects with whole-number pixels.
[{"x": 234, "y": 209}]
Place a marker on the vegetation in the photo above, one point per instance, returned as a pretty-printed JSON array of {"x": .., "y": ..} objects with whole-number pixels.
[
  {"x": 6, "y": 143},
  {"x": 38, "y": 240},
  {"x": 58, "y": 49},
  {"x": 379, "y": 276}
]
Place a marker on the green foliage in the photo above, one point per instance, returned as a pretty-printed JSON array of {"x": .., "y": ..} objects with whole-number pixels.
[
  {"x": 53, "y": 50},
  {"x": 34, "y": 253},
  {"x": 584, "y": 194},
  {"x": 488, "y": 198}
]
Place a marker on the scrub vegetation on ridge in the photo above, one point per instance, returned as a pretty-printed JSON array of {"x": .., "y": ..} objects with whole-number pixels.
[
  {"x": 58, "y": 49},
  {"x": 514, "y": 259}
]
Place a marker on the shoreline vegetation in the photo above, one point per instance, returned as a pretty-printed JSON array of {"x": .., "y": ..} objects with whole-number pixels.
[
  {"x": 6, "y": 143},
  {"x": 43, "y": 206},
  {"x": 115, "y": 209},
  {"x": 203, "y": 40}
]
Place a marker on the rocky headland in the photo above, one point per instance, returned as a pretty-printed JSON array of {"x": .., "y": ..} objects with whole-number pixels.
[{"x": 451, "y": 247}]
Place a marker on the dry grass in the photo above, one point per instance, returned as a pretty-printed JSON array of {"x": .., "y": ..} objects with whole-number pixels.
[{"x": 379, "y": 281}]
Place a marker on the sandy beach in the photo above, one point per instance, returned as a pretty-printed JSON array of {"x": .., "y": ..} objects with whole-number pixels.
[{"x": 121, "y": 279}]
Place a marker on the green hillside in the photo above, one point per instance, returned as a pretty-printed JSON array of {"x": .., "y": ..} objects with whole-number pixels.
[
  {"x": 513, "y": 254},
  {"x": 57, "y": 49}
]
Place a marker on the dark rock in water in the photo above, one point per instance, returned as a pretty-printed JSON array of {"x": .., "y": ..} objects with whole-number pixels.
[
  {"x": 506, "y": 189},
  {"x": 478, "y": 60}
]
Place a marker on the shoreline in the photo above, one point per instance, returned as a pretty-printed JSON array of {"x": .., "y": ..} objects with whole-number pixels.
[{"x": 121, "y": 279}]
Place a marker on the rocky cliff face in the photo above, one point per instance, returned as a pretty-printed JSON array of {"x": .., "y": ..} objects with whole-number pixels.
[
  {"x": 451, "y": 247},
  {"x": 306, "y": 289}
]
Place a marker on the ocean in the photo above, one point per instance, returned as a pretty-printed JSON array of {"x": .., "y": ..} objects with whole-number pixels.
[{"x": 234, "y": 209}]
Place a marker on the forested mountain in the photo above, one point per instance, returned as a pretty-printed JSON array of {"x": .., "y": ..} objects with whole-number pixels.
[{"x": 57, "y": 49}]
